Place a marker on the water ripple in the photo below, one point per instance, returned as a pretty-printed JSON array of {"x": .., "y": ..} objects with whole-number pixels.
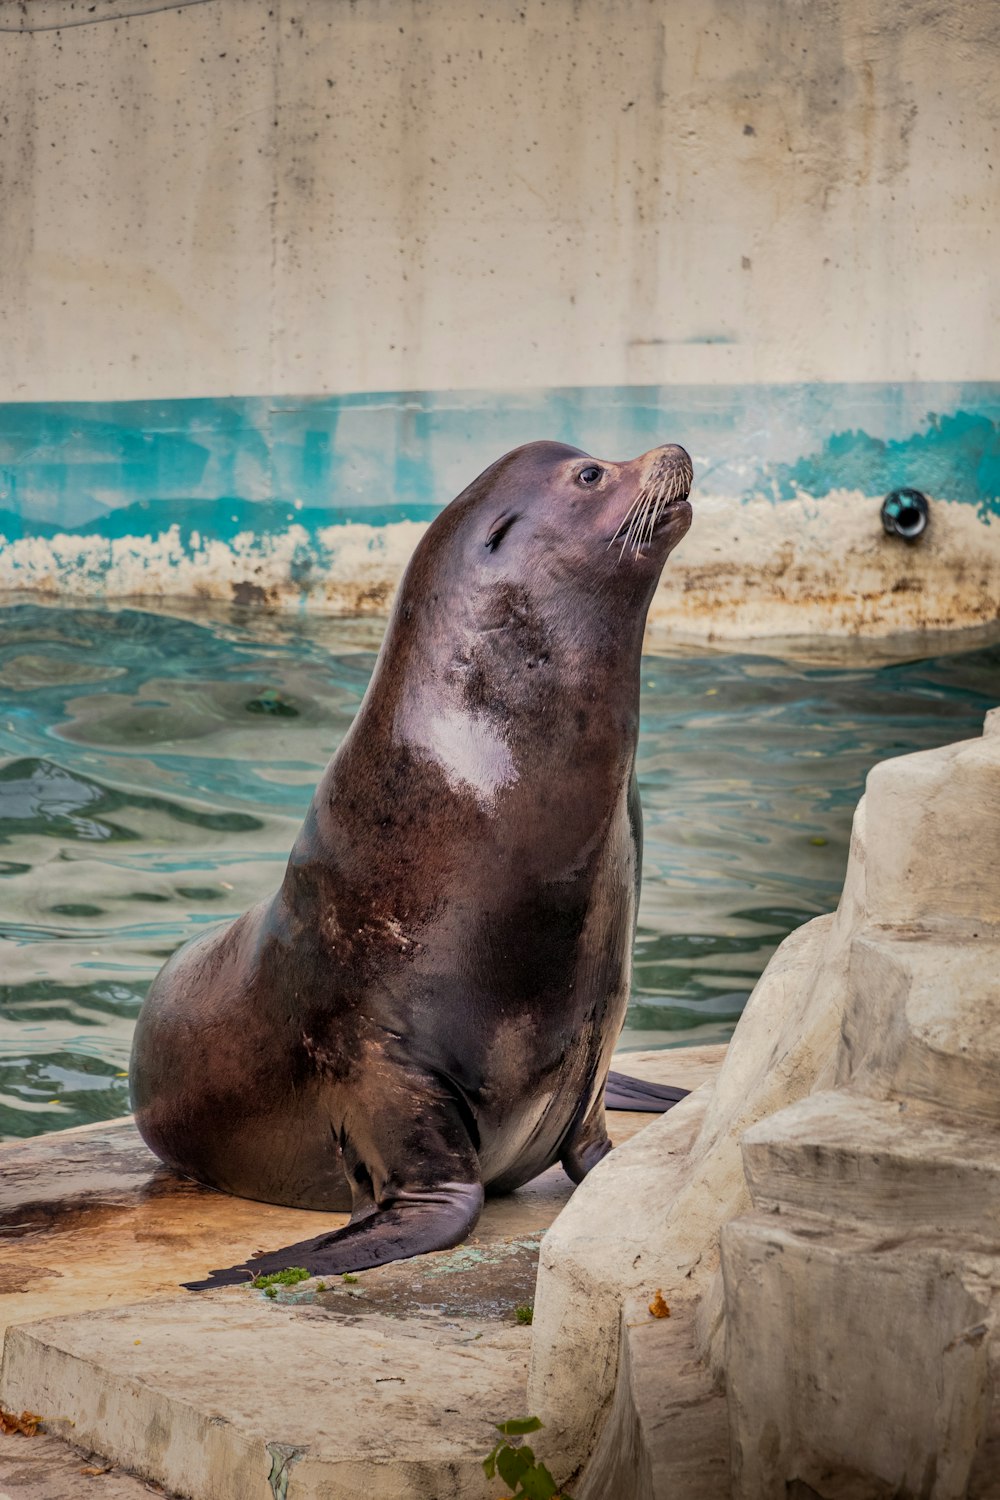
[{"x": 154, "y": 769}]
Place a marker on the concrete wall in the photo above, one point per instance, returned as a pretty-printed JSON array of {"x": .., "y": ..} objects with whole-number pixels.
[{"x": 766, "y": 230}]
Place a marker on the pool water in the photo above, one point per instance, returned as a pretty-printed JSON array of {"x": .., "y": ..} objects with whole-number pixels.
[{"x": 154, "y": 769}]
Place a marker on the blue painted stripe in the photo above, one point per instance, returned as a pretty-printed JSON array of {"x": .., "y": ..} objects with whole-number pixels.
[{"x": 217, "y": 467}]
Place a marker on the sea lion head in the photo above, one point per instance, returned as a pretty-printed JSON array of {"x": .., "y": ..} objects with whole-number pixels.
[
  {"x": 574, "y": 533},
  {"x": 529, "y": 592},
  {"x": 553, "y": 517}
]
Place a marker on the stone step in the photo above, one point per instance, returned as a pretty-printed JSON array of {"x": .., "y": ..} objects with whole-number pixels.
[
  {"x": 667, "y": 1433},
  {"x": 922, "y": 1018},
  {"x": 883, "y": 1163},
  {"x": 211, "y": 1395}
]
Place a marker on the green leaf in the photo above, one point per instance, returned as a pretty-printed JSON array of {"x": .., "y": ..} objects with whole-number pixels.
[
  {"x": 282, "y": 1278},
  {"x": 538, "y": 1483},
  {"x": 516, "y": 1425},
  {"x": 490, "y": 1463},
  {"x": 513, "y": 1463}
]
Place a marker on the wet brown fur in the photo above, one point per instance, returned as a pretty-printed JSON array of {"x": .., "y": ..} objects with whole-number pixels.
[{"x": 428, "y": 1005}]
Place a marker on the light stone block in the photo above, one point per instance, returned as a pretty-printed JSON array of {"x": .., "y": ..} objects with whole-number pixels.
[
  {"x": 934, "y": 819},
  {"x": 923, "y": 1018},
  {"x": 887, "y": 1163},
  {"x": 862, "y": 1295},
  {"x": 856, "y": 1367},
  {"x": 853, "y": 1326}
]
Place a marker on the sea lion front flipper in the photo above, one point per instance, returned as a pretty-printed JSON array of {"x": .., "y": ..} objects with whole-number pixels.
[
  {"x": 414, "y": 1175},
  {"x": 419, "y": 1220},
  {"x": 622, "y": 1092}
]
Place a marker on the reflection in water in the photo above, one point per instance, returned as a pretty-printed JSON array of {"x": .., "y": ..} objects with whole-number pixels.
[{"x": 154, "y": 770}]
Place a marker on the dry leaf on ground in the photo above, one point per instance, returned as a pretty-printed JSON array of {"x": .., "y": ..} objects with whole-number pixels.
[
  {"x": 658, "y": 1307},
  {"x": 26, "y": 1423}
]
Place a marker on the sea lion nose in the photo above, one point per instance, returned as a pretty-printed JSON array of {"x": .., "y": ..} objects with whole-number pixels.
[{"x": 670, "y": 459}]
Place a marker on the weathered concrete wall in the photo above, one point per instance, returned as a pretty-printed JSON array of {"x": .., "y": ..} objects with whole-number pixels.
[
  {"x": 767, "y": 231},
  {"x": 274, "y": 196}
]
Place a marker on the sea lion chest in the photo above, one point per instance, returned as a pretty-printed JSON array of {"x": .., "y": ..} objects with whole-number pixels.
[{"x": 492, "y": 958}]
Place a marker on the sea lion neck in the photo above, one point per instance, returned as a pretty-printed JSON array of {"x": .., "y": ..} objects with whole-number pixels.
[{"x": 488, "y": 701}]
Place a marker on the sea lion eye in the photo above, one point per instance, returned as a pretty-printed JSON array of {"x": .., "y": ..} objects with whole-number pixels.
[
  {"x": 499, "y": 530},
  {"x": 590, "y": 475}
]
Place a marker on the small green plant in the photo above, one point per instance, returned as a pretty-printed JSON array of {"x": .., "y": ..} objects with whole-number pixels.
[
  {"x": 280, "y": 1278},
  {"x": 524, "y": 1314},
  {"x": 516, "y": 1465},
  {"x": 347, "y": 1276}
]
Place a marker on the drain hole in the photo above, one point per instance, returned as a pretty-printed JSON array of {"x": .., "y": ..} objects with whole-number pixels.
[{"x": 905, "y": 513}]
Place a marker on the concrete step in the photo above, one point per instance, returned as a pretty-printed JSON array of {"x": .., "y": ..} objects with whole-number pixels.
[{"x": 882, "y": 1163}]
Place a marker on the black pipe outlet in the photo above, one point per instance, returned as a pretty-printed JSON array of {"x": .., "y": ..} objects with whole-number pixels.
[{"x": 906, "y": 513}]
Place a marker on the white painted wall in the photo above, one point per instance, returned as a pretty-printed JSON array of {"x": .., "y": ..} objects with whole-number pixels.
[{"x": 267, "y": 196}]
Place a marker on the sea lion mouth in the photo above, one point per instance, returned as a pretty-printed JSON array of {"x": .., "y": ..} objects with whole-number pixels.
[{"x": 663, "y": 497}]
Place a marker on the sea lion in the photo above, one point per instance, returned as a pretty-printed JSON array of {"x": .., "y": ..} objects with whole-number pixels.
[{"x": 428, "y": 1006}]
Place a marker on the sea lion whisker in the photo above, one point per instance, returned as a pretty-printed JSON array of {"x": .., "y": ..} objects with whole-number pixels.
[
  {"x": 655, "y": 511},
  {"x": 640, "y": 521},
  {"x": 654, "y": 519},
  {"x": 624, "y": 518},
  {"x": 636, "y": 511},
  {"x": 643, "y": 527},
  {"x": 636, "y": 522}
]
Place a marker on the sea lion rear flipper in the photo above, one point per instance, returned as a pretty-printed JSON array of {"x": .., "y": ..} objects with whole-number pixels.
[
  {"x": 587, "y": 1141},
  {"x": 622, "y": 1092}
]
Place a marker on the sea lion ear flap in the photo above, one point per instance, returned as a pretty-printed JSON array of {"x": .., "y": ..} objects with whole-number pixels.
[{"x": 500, "y": 528}]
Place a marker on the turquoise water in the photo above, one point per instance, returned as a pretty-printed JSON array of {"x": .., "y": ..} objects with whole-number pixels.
[{"x": 154, "y": 770}]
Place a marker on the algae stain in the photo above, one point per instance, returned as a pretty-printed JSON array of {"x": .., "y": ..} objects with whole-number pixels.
[
  {"x": 282, "y": 1456},
  {"x": 468, "y": 1256},
  {"x": 956, "y": 458}
]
